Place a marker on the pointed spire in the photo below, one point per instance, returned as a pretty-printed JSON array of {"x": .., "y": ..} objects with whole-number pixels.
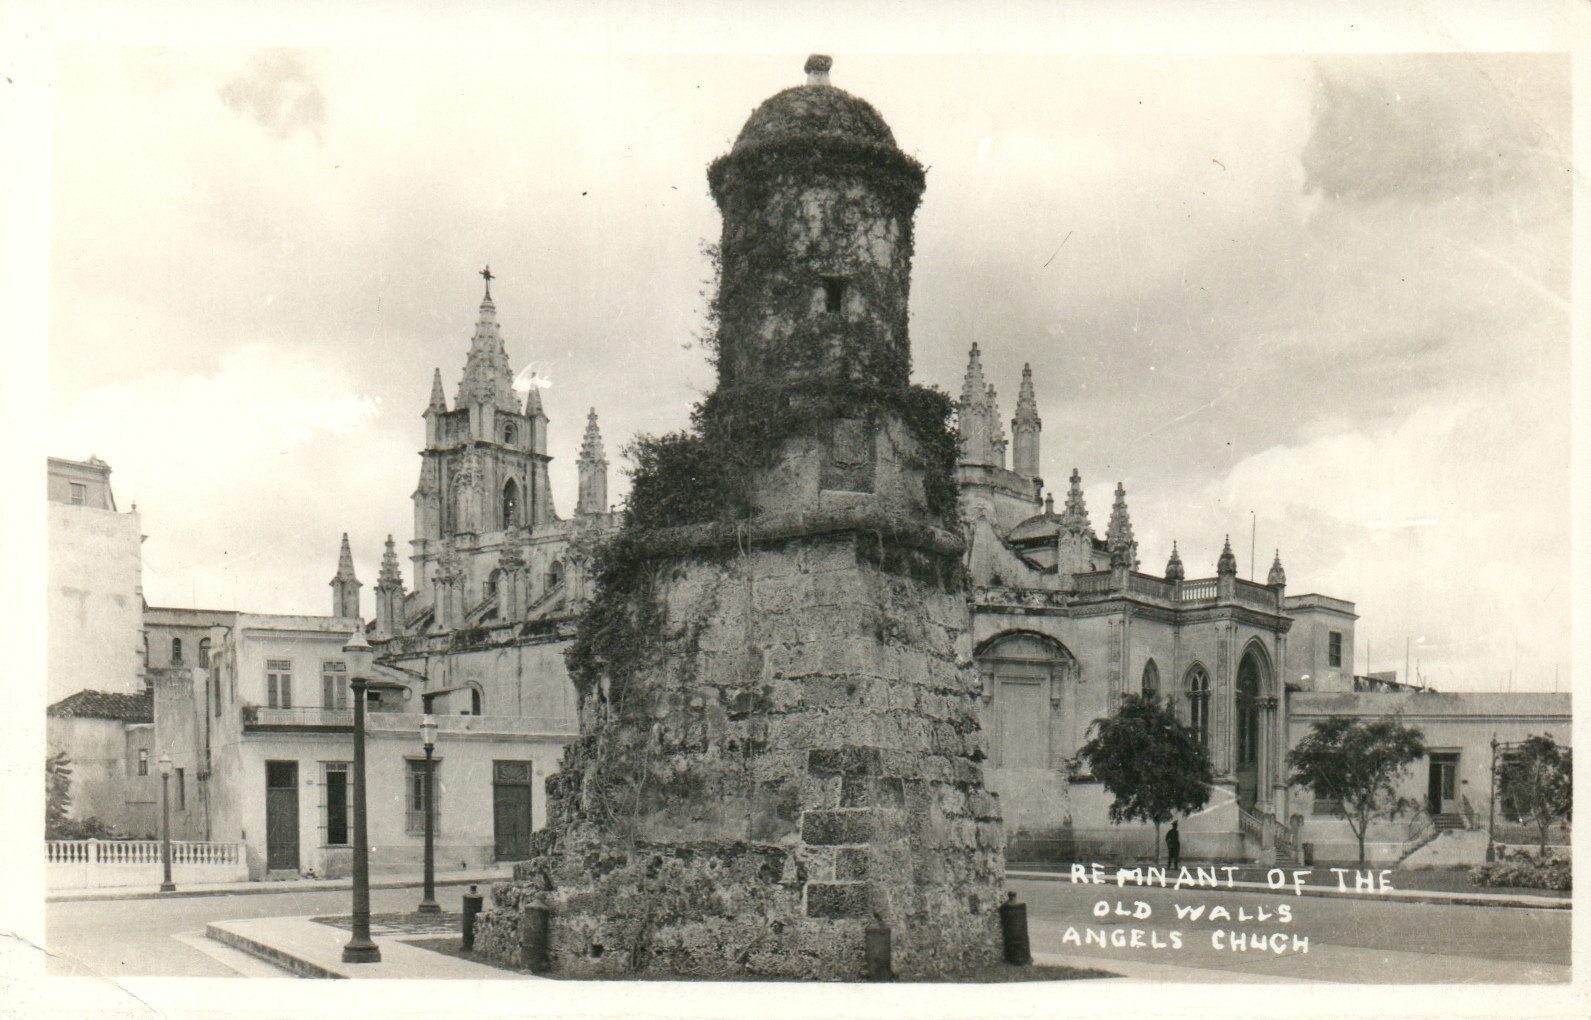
[
  {"x": 593, "y": 470},
  {"x": 972, "y": 385},
  {"x": 1027, "y": 405},
  {"x": 1277, "y": 578},
  {"x": 1119, "y": 531},
  {"x": 487, "y": 378},
  {"x": 1075, "y": 516},
  {"x": 345, "y": 586},
  {"x": 438, "y": 397},
  {"x": 1025, "y": 429},
  {"x": 1118, "y": 534},
  {"x": 533, "y": 400},
  {"x": 591, "y": 444},
  {"x": 1174, "y": 571},
  {"x": 391, "y": 573},
  {"x": 997, "y": 440},
  {"x": 1227, "y": 564},
  {"x": 345, "y": 562}
]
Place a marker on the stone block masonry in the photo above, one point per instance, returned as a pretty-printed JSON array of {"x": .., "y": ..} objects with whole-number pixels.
[{"x": 750, "y": 808}]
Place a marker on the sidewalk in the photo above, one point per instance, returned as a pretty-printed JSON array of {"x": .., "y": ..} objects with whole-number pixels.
[
  {"x": 307, "y": 948},
  {"x": 483, "y": 878},
  {"x": 1462, "y": 899}
]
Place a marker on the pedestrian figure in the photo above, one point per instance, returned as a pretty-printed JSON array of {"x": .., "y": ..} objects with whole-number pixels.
[{"x": 1173, "y": 846}]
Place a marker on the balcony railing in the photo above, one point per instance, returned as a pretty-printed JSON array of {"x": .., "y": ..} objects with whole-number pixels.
[{"x": 1196, "y": 591}]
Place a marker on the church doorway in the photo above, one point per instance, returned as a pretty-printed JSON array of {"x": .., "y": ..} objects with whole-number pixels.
[{"x": 1245, "y": 759}]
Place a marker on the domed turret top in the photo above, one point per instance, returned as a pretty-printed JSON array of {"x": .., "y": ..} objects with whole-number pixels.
[{"x": 814, "y": 111}]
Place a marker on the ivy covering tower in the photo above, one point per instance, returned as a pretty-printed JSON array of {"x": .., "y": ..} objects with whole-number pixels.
[{"x": 780, "y": 740}]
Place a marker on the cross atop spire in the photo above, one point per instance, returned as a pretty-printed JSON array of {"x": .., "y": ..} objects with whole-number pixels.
[{"x": 487, "y": 378}]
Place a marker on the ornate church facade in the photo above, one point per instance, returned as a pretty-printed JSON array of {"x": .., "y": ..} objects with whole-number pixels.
[{"x": 1066, "y": 623}]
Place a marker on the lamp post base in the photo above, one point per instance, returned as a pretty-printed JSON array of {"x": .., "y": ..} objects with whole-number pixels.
[
  {"x": 361, "y": 951},
  {"x": 167, "y": 887},
  {"x": 428, "y": 907}
]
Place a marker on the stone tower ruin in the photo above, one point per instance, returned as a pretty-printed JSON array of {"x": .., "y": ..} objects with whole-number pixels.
[{"x": 780, "y": 741}]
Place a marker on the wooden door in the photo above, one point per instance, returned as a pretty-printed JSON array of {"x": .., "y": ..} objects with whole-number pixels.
[
  {"x": 281, "y": 816},
  {"x": 511, "y": 809}
]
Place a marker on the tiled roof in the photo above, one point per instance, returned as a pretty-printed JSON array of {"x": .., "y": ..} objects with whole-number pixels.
[{"x": 137, "y": 708}]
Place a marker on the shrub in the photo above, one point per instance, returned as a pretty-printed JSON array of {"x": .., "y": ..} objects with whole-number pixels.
[{"x": 1520, "y": 869}]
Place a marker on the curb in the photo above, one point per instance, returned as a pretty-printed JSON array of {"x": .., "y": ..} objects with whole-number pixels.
[
  {"x": 270, "y": 954},
  {"x": 1396, "y": 896},
  {"x": 264, "y": 888}
]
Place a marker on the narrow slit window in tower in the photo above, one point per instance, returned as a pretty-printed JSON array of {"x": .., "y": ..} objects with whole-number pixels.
[{"x": 833, "y": 293}]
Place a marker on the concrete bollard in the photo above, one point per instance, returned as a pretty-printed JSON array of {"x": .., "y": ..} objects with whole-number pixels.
[
  {"x": 533, "y": 916},
  {"x": 876, "y": 951},
  {"x": 1014, "y": 931},
  {"x": 472, "y": 906}
]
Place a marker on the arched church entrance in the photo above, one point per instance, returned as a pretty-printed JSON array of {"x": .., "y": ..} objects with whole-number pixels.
[{"x": 1252, "y": 676}]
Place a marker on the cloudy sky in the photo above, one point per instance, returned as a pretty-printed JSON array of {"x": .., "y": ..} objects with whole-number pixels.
[{"x": 1330, "y": 290}]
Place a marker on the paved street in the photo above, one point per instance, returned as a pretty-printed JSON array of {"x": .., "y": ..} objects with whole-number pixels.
[
  {"x": 1367, "y": 940},
  {"x": 1359, "y": 939},
  {"x": 126, "y": 938}
]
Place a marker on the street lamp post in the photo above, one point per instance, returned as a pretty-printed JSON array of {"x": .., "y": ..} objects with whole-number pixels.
[
  {"x": 360, "y": 948},
  {"x": 428, "y": 904},
  {"x": 165, "y": 825}
]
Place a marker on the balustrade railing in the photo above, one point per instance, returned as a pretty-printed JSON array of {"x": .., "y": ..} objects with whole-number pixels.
[
  {"x": 1255, "y": 594},
  {"x": 1205, "y": 588},
  {"x": 1091, "y": 584},
  {"x": 112, "y": 852},
  {"x": 1144, "y": 584}
]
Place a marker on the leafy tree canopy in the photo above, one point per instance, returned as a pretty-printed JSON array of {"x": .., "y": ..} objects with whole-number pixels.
[
  {"x": 1358, "y": 764},
  {"x": 1154, "y": 766}
]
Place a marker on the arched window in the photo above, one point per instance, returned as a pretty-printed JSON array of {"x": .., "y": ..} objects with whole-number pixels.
[
  {"x": 555, "y": 574},
  {"x": 204, "y": 653},
  {"x": 509, "y": 433},
  {"x": 1021, "y": 672},
  {"x": 492, "y": 581},
  {"x": 176, "y": 651},
  {"x": 1151, "y": 681},
  {"x": 511, "y": 504},
  {"x": 475, "y": 701},
  {"x": 1197, "y": 686}
]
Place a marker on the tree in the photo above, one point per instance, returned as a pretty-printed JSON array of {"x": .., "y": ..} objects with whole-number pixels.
[
  {"x": 1357, "y": 765},
  {"x": 1153, "y": 765},
  {"x": 1534, "y": 783},
  {"x": 57, "y": 792}
]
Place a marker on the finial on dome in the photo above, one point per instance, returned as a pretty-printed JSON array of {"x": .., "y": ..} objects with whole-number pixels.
[{"x": 817, "y": 68}]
